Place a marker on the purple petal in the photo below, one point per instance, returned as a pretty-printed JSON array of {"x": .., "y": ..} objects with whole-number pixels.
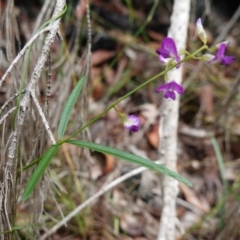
[
  {"x": 221, "y": 51},
  {"x": 134, "y": 128},
  {"x": 168, "y": 49},
  {"x": 220, "y": 54},
  {"x": 162, "y": 59},
  {"x": 132, "y": 123},
  {"x": 219, "y": 57},
  {"x": 164, "y": 87},
  {"x": 170, "y": 88},
  {"x": 225, "y": 43},
  {"x": 170, "y": 94},
  {"x": 176, "y": 87},
  {"x": 199, "y": 23},
  {"x": 163, "y": 52},
  {"x": 226, "y": 60},
  {"x": 169, "y": 44}
]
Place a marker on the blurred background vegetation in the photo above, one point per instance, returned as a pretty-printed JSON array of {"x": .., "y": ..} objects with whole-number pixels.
[{"x": 125, "y": 35}]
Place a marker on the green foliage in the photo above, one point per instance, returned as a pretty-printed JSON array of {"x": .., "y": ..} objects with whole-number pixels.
[
  {"x": 131, "y": 158},
  {"x": 39, "y": 171},
  {"x": 69, "y": 106}
]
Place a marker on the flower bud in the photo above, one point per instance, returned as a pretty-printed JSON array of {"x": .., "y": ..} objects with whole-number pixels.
[
  {"x": 207, "y": 57},
  {"x": 201, "y": 32}
]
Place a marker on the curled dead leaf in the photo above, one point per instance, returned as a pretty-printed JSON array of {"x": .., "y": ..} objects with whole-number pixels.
[
  {"x": 109, "y": 164},
  {"x": 101, "y": 56},
  {"x": 153, "y": 136}
]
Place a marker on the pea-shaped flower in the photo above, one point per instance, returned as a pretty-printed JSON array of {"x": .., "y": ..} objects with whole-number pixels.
[
  {"x": 132, "y": 123},
  {"x": 220, "y": 57},
  {"x": 168, "y": 51},
  {"x": 170, "y": 89}
]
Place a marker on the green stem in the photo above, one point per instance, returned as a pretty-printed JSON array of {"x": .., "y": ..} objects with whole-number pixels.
[
  {"x": 131, "y": 92},
  {"x": 119, "y": 100}
]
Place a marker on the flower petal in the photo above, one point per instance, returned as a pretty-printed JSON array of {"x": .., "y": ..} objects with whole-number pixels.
[
  {"x": 163, "y": 52},
  {"x": 170, "y": 94},
  {"x": 132, "y": 123},
  {"x": 225, "y": 43},
  {"x": 176, "y": 87},
  {"x": 169, "y": 44},
  {"x": 219, "y": 57},
  {"x": 162, "y": 59},
  {"x": 221, "y": 51},
  {"x": 219, "y": 54},
  {"x": 134, "y": 128},
  {"x": 168, "y": 49},
  {"x": 226, "y": 60},
  {"x": 164, "y": 87}
]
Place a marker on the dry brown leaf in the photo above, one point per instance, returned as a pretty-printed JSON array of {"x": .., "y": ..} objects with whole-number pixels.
[
  {"x": 96, "y": 72},
  {"x": 97, "y": 88},
  {"x": 191, "y": 197},
  {"x": 155, "y": 36},
  {"x": 80, "y": 10},
  {"x": 101, "y": 56},
  {"x": 153, "y": 45},
  {"x": 109, "y": 74},
  {"x": 153, "y": 136},
  {"x": 122, "y": 64},
  {"x": 109, "y": 164},
  {"x": 96, "y": 170}
]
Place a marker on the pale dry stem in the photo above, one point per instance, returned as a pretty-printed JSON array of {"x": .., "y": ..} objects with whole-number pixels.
[
  {"x": 92, "y": 199},
  {"x": 9, "y": 170},
  {"x": 169, "y": 124}
]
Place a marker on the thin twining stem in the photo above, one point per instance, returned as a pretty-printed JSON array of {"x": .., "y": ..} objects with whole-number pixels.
[
  {"x": 44, "y": 120},
  {"x": 22, "y": 52},
  {"x": 133, "y": 91},
  {"x": 9, "y": 101},
  {"x": 7, "y": 114}
]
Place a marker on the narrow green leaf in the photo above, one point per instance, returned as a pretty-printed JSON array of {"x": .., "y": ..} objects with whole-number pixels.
[
  {"x": 69, "y": 106},
  {"x": 39, "y": 171},
  {"x": 131, "y": 158}
]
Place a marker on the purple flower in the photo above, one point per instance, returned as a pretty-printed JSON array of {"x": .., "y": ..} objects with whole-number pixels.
[
  {"x": 132, "y": 123},
  {"x": 169, "y": 89},
  {"x": 219, "y": 57},
  {"x": 168, "y": 51}
]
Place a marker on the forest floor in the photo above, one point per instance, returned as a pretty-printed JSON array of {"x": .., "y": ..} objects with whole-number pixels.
[{"x": 123, "y": 56}]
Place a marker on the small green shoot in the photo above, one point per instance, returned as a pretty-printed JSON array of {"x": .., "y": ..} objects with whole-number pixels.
[
  {"x": 39, "y": 171},
  {"x": 69, "y": 106}
]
